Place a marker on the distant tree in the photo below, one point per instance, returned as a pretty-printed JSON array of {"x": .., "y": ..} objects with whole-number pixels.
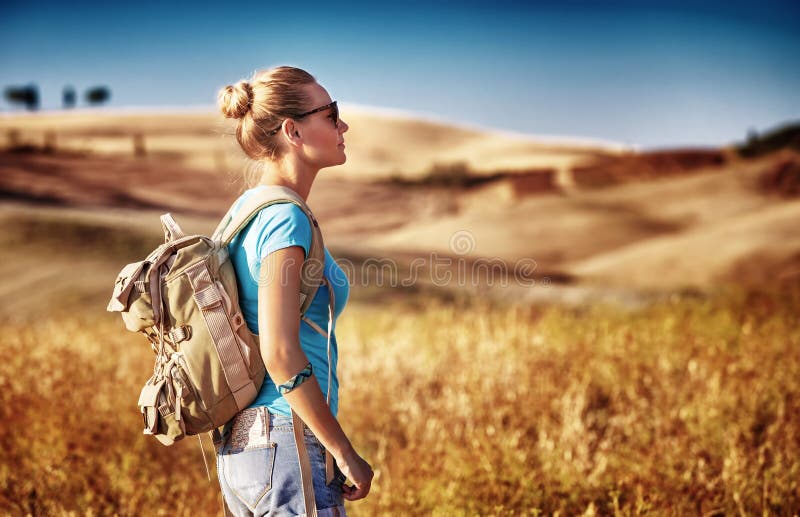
[
  {"x": 27, "y": 95},
  {"x": 786, "y": 136},
  {"x": 752, "y": 136},
  {"x": 68, "y": 97},
  {"x": 98, "y": 95}
]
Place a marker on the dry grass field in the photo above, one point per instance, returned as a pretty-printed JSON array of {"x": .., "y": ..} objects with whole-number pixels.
[
  {"x": 552, "y": 399},
  {"x": 688, "y": 407}
]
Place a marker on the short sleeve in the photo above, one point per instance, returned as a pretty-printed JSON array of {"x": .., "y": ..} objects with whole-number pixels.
[{"x": 280, "y": 226}]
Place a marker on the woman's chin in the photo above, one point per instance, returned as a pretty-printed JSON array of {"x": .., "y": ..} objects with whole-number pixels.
[{"x": 334, "y": 161}]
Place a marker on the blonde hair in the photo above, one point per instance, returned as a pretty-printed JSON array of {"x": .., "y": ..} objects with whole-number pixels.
[{"x": 261, "y": 104}]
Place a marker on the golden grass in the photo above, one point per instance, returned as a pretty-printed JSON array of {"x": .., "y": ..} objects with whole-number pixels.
[{"x": 687, "y": 407}]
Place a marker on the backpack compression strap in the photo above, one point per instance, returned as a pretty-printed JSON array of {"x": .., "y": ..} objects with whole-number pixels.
[{"x": 298, "y": 426}]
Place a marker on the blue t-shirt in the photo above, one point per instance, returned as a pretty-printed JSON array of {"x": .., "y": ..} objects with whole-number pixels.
[{"x": 276, "y": 227}]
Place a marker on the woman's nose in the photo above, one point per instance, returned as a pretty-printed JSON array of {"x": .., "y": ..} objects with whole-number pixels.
[{"x": 343, "y": 127}]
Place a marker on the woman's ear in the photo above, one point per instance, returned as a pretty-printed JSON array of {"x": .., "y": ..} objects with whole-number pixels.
[{"x": 291, "y": 133}]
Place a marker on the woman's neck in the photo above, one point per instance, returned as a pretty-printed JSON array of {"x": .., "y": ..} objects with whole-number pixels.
[{"x": 289, "y": 173}]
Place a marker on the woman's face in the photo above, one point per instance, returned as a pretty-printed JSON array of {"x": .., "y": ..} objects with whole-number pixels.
[{"x": 323, "y": 143}]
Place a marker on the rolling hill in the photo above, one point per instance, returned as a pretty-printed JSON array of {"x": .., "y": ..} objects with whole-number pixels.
[{"x": 620, "y": 220}]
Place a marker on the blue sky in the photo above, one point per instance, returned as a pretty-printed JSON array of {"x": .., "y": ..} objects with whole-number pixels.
[{"x": 647, "y": 73}]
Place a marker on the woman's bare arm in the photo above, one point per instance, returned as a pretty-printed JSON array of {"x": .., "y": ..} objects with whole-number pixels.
[{"x": 279, "y": 328}]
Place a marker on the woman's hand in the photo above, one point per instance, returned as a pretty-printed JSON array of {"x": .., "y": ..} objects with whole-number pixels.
[{"x": 358, "y": 471}]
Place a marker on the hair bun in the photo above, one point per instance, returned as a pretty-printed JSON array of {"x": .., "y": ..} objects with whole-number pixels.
[{"x": 235, "y": 101}]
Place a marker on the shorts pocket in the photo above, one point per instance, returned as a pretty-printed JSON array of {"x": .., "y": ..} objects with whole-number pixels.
[{"x": 248, "y": 473}]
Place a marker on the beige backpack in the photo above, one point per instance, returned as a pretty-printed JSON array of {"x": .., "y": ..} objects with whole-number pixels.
[{"x": 183, "y": 297}]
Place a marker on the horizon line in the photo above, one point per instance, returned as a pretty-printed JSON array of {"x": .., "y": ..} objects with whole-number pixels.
[{"x": 391, "y": 113}]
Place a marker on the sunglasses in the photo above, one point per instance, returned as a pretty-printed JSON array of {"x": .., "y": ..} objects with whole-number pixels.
[{"x": 334, "y": 115}]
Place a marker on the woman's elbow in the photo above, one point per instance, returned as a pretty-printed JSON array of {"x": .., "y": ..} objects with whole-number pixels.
[{"x": 278, "y": 354}]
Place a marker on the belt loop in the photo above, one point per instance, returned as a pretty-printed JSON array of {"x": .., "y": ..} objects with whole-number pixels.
[{"x": 265, "y": 421}]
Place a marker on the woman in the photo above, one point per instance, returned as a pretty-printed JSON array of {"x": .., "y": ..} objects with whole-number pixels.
[{"x": 289, "y": 125}]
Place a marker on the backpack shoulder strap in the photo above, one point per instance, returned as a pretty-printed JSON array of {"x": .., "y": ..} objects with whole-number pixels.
[
  {"x": 236, "y": 219},
  {"x": 238, "y": 216}
]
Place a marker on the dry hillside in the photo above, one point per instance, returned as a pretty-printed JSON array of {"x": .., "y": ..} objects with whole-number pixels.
[
  {"x": 378, "y": 145},
  {"x": 623, "y": 220}
]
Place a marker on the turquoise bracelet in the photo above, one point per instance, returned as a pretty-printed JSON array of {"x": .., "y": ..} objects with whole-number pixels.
[{"x": 296, "y": 381}]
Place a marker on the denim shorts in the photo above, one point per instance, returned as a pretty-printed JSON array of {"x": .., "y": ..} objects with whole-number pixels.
[{"x": 259, "y": 472}]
